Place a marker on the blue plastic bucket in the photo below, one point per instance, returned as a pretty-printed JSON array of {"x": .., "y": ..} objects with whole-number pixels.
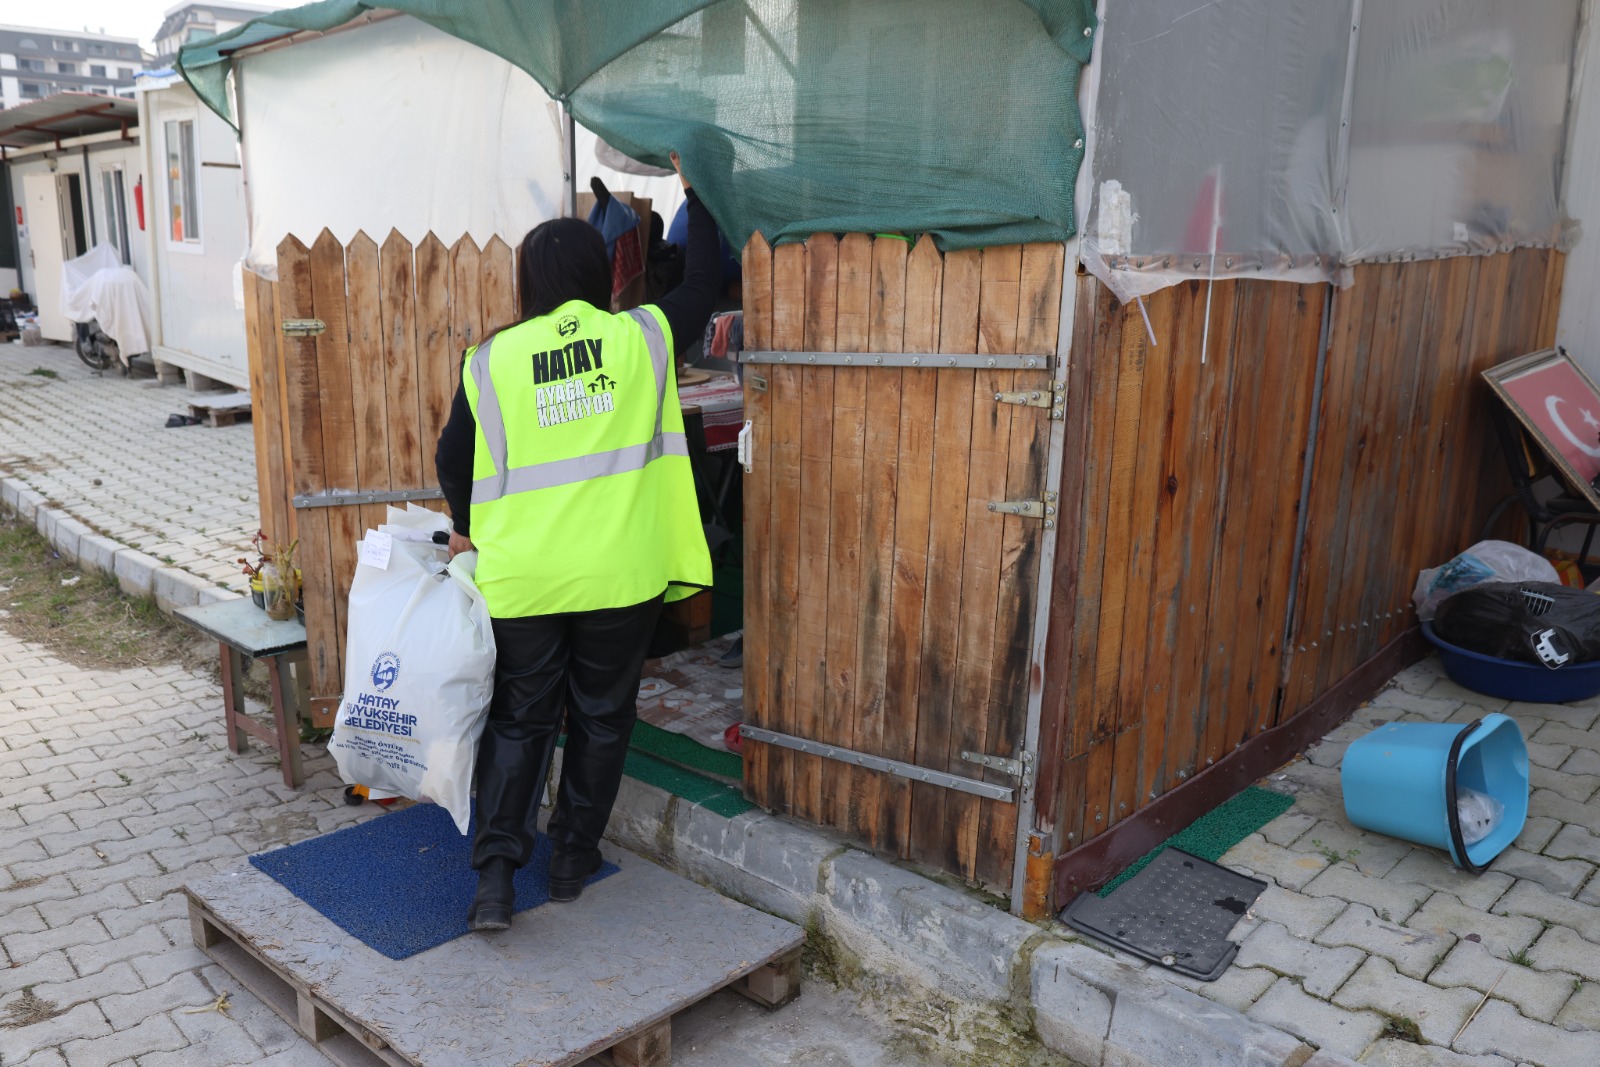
[{"x": 1402, "y": 780}]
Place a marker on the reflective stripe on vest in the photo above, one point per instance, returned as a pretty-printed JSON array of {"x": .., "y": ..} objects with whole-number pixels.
[{"x": 558, "y": 472}]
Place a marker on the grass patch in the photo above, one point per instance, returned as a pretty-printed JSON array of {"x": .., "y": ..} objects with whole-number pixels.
[
  {"x": 89, "y": 622},
  {"x": 44, "y": 372},
  {"x": 28, "y": 1009}
]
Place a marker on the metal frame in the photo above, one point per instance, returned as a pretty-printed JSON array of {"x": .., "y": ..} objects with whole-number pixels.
[
  {"x": 336, "y": 498},
  {"x": 925, "y": 361},
  {"x": 879, "y": 763}
]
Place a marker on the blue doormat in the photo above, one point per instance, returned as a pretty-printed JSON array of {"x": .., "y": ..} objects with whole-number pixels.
[{"x": 400, "y": 883}]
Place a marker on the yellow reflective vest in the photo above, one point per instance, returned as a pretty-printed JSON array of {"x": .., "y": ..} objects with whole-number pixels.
[{"x": 582, "y": 496}]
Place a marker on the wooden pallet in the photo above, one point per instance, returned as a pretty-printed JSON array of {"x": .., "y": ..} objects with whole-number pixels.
[
  {"x": 566, "y": 982},
  {"x": 220, "y": 416}
]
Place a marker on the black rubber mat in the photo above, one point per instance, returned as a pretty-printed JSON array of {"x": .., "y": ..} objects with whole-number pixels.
[{"x": 1176, "y": 912}]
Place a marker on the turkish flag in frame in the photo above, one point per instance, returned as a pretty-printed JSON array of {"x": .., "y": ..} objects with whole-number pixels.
[{"x": 1559, "y": 406}]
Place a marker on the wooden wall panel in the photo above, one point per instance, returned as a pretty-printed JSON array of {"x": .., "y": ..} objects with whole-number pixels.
[{"x": 1172, "y": 643}]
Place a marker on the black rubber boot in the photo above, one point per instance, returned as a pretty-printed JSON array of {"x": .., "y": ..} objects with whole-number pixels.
[
  {"x": 491, "y": 908},
  {"x": 569, "y": 869}
]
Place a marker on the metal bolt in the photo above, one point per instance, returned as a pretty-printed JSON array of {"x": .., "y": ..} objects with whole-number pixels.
[
  {"x": 1197, "y": 264},
  {"x": 1032, "y": 361},
  {"x": 811, "y": 359},
  {"x": 1033, "y": 396},
  {"x": 1122, "y": 807},
  {"x": 997, "y": 396},
  {"x": 877, "y": 359},
  {"x": 848, "y": 360},
  {"x": 992, "y": 507},
  {"x": 990, "y": 363},
  {"x": 1049, "y": 524},
  {"x": 916, "y": 361},
  {"x": 1088, "y": 31},
  {"x": 1078, "y": 143}
]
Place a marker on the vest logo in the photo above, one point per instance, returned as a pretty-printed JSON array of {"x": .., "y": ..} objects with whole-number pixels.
[
  {"x": 603, "y": 383},
  {"x": 567, "y": 401},
  {"x": 567, "y": 325},
  {"x": 385, "y": 671}
]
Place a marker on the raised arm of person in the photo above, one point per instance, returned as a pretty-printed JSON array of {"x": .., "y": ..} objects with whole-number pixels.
[{"x": 688, "y": 307}]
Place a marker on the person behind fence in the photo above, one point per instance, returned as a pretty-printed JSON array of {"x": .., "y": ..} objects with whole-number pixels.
[{"x": 565, "y": 466}]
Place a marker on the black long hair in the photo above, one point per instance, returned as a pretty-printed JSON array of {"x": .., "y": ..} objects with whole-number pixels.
[{"x": 561, "y": 260}]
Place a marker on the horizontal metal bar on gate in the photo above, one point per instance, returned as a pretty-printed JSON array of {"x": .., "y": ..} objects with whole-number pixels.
[
  {"x": 879, "y": 763},
  {"x": 338, "y": 498},
  {"x": 924, "y": 360}
]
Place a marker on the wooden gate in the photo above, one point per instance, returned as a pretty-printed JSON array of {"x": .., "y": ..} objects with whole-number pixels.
[
  {"x": 890, "y": 596},
  {"x": 363, "y": 400}
]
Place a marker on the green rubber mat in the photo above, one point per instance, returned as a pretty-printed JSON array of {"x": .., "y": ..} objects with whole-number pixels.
[
  {"x": 676, "y": 748},
  {"x": 708, "y": 793},
  {"x": 1216, "y": 831}
]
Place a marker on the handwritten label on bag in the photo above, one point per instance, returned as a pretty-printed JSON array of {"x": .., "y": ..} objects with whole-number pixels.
[{"x": 375, "y": 549}]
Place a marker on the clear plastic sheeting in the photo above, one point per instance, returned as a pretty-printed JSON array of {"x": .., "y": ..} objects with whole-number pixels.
[
  {"x": 1289, "y": 139},
  {"x": 1458, "y": 120}
]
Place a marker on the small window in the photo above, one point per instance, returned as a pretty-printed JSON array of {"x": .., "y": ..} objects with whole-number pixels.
[
  {"x": 66, "y": 68},
  {"x": 126, "y": 53},
  {"x": 97, "y": 50},
  {"x": 31, "y": 64},
  {"x": 182, "y": 199},
  {"x": 96, "y": 71},
  {"x": 27, "y": 42},
  {"x": 32, "y": 90}
]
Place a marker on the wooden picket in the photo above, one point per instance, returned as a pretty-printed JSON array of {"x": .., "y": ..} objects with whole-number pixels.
[{"x": 362, "y": 403}]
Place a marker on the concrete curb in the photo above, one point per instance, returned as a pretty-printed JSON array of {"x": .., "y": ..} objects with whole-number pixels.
[
  {"x": 985, "y": 982},
  {"x": 135, "y": 572}
]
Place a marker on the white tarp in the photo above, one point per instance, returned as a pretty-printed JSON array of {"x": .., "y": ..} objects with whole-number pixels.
[
  {"x": 1288, "y": 139},
  {"x": 394, "y": 125},
  {"x": 96, "y": 286}
]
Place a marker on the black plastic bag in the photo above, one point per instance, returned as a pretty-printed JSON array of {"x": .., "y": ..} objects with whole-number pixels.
[{"x": 1534, "y": 622}]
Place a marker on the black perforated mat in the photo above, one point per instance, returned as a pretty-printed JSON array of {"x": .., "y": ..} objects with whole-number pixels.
[{"x": 1176, "y": 912}]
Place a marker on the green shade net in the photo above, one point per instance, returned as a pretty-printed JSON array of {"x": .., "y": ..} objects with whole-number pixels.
[{"x": 952, "y": 117}]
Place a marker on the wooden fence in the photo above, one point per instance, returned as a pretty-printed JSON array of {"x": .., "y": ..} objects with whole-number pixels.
[
  {"x": 888, "y": 610},
  {"x": 1183, "y": 627},
  {"x": 359, "y": 406}
]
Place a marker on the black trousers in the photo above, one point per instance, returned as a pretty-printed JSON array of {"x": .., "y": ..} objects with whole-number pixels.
[{"x": 586, "y": 664}]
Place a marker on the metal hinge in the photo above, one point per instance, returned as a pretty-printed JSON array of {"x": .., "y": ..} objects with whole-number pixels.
[
  {"x": 303, "y": 327},
  {"x": 1029, "y": 509},
  {"x": 1017, "y": 768}
]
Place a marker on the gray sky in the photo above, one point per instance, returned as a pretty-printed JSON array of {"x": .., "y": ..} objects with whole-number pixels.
[{"x": 125, "y": 18}]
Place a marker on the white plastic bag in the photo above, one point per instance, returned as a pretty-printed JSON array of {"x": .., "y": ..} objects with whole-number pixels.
[
  {"x": 1486, "y": 561},
  {"x": 419, "y": 668},
  {"x": 1480, "y": 813}
]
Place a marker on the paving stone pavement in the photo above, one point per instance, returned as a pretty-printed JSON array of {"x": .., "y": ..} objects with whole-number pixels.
[
  {"x": 1361, "y": 935},
  {"x": 98, "y": 447}
]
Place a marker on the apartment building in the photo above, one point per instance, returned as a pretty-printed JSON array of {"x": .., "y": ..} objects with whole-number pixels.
[
  {"x": 36, "y": 63},
  {"x": 194, "y": 21}
]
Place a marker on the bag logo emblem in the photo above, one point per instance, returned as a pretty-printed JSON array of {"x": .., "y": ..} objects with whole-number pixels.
[
  {"x": 567, "y": 326},
  {"x": 385, "y": 671}
]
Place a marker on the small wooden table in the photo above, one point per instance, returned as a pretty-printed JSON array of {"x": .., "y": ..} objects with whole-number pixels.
[{"x": 242, "y": 629}]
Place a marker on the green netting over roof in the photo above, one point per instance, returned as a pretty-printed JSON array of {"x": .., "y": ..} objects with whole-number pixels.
[{"x": 952, "y": 117}]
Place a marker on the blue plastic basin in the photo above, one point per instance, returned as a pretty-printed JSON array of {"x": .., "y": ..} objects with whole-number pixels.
[
  {"x": 1512, "y": 679},
  {"x": 1395, "y": 782}
]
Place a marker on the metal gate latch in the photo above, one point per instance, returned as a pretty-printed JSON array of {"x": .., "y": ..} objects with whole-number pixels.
[
  {"x": 1029, "y": 509},
  {"x": 303, "y": 327},
  {"x": 1037, "y": 398}
]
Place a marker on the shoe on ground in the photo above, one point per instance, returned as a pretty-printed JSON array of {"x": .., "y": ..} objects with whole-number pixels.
[
  {"x": 491, "y": 908},
  {"x": 734, "y": 657},
  {"x": 569, "y": 869}
]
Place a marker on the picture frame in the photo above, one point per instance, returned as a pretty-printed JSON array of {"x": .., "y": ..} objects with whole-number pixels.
[{"x": 1558, "y": 406}]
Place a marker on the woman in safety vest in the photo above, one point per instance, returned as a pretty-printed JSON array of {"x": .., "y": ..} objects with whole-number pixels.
[{"x": 565, "y": 467}]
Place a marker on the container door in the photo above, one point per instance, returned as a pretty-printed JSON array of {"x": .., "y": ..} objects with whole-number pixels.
[{"x": 46, "y": 242}]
